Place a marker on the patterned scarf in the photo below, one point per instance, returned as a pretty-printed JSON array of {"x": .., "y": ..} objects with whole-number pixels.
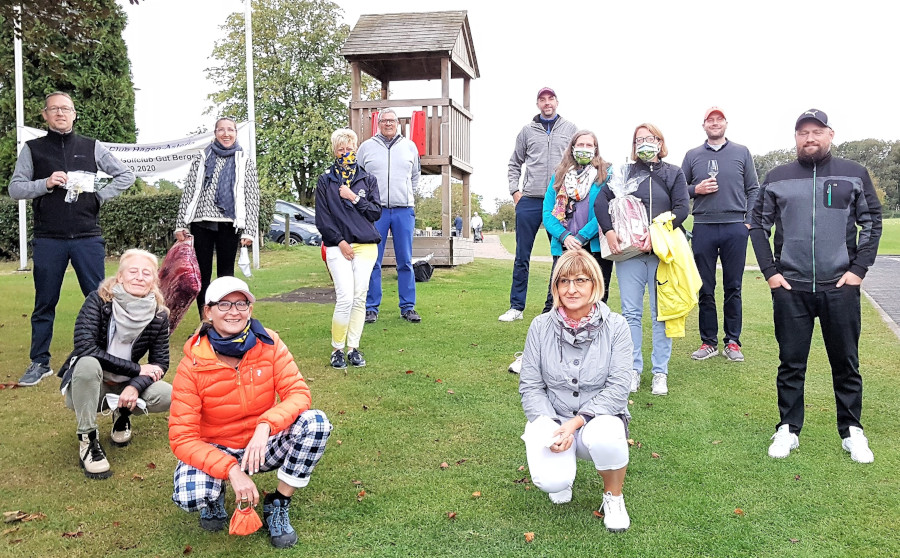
[
  {"x": 225, "y": 185},
  {"x": 577, "y": 324},
  {"x": 238, "y": 344},
  {"x": 345, "y": 167},
  {"x": 576, "y": 187}
]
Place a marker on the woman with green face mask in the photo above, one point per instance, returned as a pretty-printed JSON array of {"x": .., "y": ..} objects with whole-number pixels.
[
  {"x": 569, "y": 201},
  {"x": 661, "y": 188}
]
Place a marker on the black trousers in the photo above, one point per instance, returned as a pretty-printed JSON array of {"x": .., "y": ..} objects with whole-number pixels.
[
  {"x": 224, "y": 241},
  {"x": 606, "y": 268},
  {"x": 839, "y": 317}
]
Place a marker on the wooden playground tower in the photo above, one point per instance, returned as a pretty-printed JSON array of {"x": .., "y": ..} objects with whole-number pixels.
[{"x": 421, "y": 46}]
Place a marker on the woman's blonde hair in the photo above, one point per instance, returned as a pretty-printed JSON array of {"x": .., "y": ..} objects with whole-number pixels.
[
  {"x": 663, "y": 150},
  {"x": 578, "y": 262},
  {"x": 106, "y": 287},
  {"x": 342, "y": 136}
]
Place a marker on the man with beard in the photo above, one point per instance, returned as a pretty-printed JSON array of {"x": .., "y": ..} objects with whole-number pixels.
[
  {"x": 722, "y": 204},
  {"x": 816, "y": 204}
]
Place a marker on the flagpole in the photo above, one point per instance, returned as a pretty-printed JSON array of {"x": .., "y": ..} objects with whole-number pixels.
[
  {"x": 251, "y": 104},
  {"x": 20, "y": 128}
]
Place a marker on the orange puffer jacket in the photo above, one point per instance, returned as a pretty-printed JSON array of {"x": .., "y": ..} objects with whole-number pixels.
[{"x": 213, "y": 403}]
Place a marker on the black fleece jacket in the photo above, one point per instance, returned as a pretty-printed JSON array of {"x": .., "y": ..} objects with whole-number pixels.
[
  {"x": 92, "y": 336},
  {"x": 339, "y": 219}
]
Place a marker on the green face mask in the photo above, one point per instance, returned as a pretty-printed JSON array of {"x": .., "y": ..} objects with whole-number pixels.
[
  {"x": 582, "y": 155},
  {"x": 647, "y": 151}
]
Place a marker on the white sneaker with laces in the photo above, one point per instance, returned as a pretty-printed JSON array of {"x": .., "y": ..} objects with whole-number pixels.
[
  {"x": 858, "y": 446},
  {"x": 660, "y": 385},
  {"x": 783, "y": 442},
  {"x": 511, "y": 315},
  {"x": 563, "y": 497},
  {"x": 516, "y": 366},
  {"x": 635, "y": 381},
  {"x": 615, "y": 516}
]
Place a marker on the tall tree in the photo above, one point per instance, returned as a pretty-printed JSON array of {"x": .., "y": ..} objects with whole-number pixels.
[
  {"x": 302, "y": 84},
  {"x": 92, "y": 66}
]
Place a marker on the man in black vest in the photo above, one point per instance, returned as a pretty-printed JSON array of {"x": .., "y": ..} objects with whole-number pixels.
[{"x": 57, "y": 173}]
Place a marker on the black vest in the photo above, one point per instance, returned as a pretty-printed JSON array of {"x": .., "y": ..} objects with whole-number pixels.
[{"x": 53, "y": 217}]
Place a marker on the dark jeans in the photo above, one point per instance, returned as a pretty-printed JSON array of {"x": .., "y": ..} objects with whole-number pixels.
[
  {"x": 606, "y": 267},
  {"x": 529, "y": 216},
  {"x": 710, "y": 243},
  {"x": 839, "y": 317},
  {"x": 224, "y": 241},
  {"x": 51, "y": 257}
]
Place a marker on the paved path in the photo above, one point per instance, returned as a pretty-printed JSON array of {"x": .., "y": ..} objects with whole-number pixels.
[{"x": 491, "y": 248}]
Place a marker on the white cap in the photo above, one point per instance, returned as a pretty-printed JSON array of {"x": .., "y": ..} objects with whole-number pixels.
[{"x": 224, "y": 286}]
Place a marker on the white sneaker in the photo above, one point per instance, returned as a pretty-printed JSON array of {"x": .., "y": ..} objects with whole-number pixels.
[
  {"x": 516, "y": 366},
  {"x": 783, "y": 441},
  {"x": 615, "y": 516},
  {"x": 563, "y": 497},
  {"x": 511, "y": 315},
  {"x": 858, "y": 446},
  {"x": 660, "y": 385},
  {"x": 635, "y": 381}
]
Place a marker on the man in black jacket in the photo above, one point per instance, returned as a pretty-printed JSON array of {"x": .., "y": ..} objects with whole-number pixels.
[
  {"x": 57, "y": 173},
  {"x": 827, "y": 221}
]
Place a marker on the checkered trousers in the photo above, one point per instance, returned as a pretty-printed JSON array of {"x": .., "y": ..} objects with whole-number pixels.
[{"x": 294, "y": 452}]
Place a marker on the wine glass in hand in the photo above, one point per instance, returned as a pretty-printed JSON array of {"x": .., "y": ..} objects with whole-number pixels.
[{"x": 713, "y": 168}]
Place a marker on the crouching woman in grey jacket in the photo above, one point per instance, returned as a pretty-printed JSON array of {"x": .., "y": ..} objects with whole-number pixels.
[{"x": 575, "y": 378}]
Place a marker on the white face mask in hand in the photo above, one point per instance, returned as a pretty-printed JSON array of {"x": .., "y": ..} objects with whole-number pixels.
[
  {"x": 244, "y": 262},
  {"x": 647, "y": 151}
]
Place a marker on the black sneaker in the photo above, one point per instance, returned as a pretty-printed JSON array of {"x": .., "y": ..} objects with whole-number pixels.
[
  {"x": 337, "y": 360},
  {"x": 371, "y": 316},
  {"x": 411, "y": 316},
  {"x": 121, "y": 428},
  {"x": 277, "y": 521},
  {"x": 35, "y": 372},
  {"x": 356, "y": 358},
  {"x": 214, "y": 517}
]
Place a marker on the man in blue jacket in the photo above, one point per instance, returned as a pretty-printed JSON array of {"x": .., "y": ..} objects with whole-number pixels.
[
  {"x": 827, "y": 221},
  {"x": 723, "y": 197},
  {"x": 394, "y": 161},
  {"x": 66, "y": 217}
]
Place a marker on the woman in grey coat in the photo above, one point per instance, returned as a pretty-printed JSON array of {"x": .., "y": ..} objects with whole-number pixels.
[{"x": 575, "y": 380}]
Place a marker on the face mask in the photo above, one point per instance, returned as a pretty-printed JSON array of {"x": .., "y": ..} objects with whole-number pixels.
[
  {"x": 647, "y": 151},
  {"x": 582, "y": 155},
  {"x": 347, "y": 159}
]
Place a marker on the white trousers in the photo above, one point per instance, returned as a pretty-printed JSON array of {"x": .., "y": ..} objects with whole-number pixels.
[
  {"x": 602, "y": 440},
  {"x": 351, "y": 284}
]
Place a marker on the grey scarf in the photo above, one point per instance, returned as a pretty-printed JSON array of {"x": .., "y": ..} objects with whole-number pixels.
[{"x": 130, "y": 314}]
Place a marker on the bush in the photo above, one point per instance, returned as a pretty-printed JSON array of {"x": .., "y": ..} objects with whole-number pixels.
[{"x": 139, "y": 221}]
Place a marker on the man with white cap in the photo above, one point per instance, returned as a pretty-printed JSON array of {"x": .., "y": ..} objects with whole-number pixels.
[
  {"x": 722, "y": 182},
  {"x": 539, "y": 147},
  {"x": 827, "y": 221}
]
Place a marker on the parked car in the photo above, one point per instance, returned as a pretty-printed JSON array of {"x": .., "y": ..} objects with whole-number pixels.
[
  {"x": 298, "y": 213},
  {"x": 301, "y": 233}
]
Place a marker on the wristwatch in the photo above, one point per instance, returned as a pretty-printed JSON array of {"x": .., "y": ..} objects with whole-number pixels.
[{"x": 356, "y": 201}]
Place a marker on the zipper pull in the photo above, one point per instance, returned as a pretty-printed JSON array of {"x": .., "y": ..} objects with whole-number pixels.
[{"x": 829, "y": 195}]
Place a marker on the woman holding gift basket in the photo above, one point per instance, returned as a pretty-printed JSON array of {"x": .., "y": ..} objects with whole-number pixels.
[{"x": 660, "y": 187}]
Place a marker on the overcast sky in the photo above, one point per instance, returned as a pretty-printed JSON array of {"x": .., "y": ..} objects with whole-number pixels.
[{"x": 613, "y": 64}]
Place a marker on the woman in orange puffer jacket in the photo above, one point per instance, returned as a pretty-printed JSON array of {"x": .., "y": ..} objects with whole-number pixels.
[{"x": 225, "y": 423}]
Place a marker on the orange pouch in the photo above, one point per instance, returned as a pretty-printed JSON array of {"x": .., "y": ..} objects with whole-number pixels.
[{"x": 244, "y": 521}]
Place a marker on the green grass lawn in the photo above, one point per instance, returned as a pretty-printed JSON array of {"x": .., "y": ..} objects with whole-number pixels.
[{"x": 438, "y": 392}]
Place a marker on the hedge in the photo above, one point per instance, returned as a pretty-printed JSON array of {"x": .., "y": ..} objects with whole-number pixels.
[{"x": 140, "y": 221}]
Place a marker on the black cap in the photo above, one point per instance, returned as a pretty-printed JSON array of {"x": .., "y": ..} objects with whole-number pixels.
[{"x": 813, "y": 114}]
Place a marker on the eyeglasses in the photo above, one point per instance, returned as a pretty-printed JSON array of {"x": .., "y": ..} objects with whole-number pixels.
[
  {"x": 818, "y": 133},
  {"x": 578, "y": 281},
  {"x": 61, "y": 110},
  {"x": 388, "y": 121},
  {"x": 225, "y": 305},
  {"x": 648, "y": 139}
]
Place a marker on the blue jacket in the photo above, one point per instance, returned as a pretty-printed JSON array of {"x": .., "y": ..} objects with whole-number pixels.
[{"x": 558, "y": 232}]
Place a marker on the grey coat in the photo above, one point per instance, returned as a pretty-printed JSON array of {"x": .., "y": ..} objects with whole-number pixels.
[
  {"x": 540, "y": 153},
  {"x": 585, "y": 372}
]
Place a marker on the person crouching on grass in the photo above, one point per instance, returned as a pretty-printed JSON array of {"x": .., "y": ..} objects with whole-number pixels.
[
  {"x": 347, "y": 206},
  {"x": 123, "y": 320},
  {"x": 575, "y": 379},
  {"x": 225, "y": 423}
]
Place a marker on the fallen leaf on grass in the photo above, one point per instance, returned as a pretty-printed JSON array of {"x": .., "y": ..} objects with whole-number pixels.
[
  {"x": 794, "y": 541},
  {"x": 631, "y": 401},
  {"x": 654, "y": 455},
  {"x": 117, "y": 523},
  {"x": 400, "y": 351},
  {"x": 461, "y": 461},
  {"x": 11, "y": 385},
  {"x": 521, "y": 468},
  {"x": 716, "y": 442},
  {"x": 451, "y": 515},
  {"x": 137, "y": 477},
  {"x": 476, "y": 494},
  {"x": 357, "y": 482},
  {"x": 151, "y": 465},
  {"x": 439, "y": 381},
  {"x": 450, "y": 391},
  {"x": 529, "y": 536},
  {"x": 738, "y": 511},
  {"x": 640, "y": 445},
  {"x": 73, "y": 534},
  {"x": 444, "y": 465},
  {"x": 10, "y": 530},
  {"x": 597, "y": 513},
  {"x": 630, "y": 441},
  {"x": 187, "y": 550},
  {"x": 523, "y": 480},
  {"x": 19, "y": 515},
  {"x": 365, "y": 407},
  {"x": 361, "y": 495},
  {"x": 410, "y": 372},
  {"x": 70, "y": 508},
  {"x": 796, "y": 477},
  {"x": 649, "y": 405}
]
